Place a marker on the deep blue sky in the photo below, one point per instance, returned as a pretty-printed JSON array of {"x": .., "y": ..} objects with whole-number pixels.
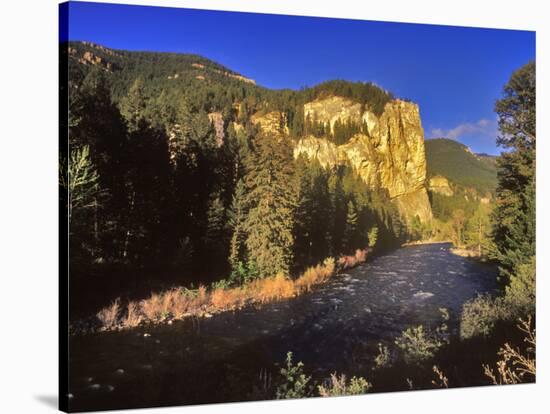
[{"x": 455, "y": 74}]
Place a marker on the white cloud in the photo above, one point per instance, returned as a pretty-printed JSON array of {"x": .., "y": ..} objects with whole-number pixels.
[{"x": 481, "y": 129}]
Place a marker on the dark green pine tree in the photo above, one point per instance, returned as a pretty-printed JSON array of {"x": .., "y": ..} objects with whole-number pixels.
[
  {"x": 350, "y": 234},
  {"x": 237, "y": 215},
  {"x": 338, "y": 212},
  {"x": 96, "y": 122},
  {"x": 133, "y": 105},
  {"x": 302, "y": 215},
  {"x": 514, "y": 215},
  {"x": 271, "y": 200},
  {"x": 216, "y": 231}
]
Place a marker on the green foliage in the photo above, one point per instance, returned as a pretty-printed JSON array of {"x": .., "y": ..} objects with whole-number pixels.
[
  {"x": 79, "y": 178},
  {"x": 372, "y": 236},
  {"x": 133, "y": 105},
  {"x": 367, "y": 94},
  {"x": 312, "y": 232},
  {"x": 237, "y": 215},
  {"x": 454, "y": 161},
  {"x": 271, "y": 203},
  {"x": 477, "y": 231},
  {"x": 338, "y": 386},
  {"x": 220, "y": 199},
  {"x": 243, "y": 273},
  {"x": 480, "y": 315},
  {"x": 294, "y": 383},
  {"x": 521, "y": 292},
  {"x": 514, "y": 216},
  {"x": 418, "y": 344},
  {"x": 350, "y": 234},
  {"x": 383, "y": 358}
]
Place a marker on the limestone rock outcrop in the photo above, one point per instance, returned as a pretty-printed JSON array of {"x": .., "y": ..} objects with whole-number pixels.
[
  {"x": 389, "y": 155},
  {"x": 440, "y": 185}
]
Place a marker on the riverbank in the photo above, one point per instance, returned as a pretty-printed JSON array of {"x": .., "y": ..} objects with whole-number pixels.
[
  {"x": 219, "y": 359},
  {"x": 424, "y": 242},
  {"x": 181, "y": 302}
]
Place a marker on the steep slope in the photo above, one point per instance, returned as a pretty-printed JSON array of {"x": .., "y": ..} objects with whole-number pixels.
[
  {"x": 387, "y": 154},
  {"x": 456, "y": 163},
  {"x": 336, "y": 122}
]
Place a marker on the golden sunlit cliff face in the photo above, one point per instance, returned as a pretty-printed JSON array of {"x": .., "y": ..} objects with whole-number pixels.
[{"x": 390, "y": 155}]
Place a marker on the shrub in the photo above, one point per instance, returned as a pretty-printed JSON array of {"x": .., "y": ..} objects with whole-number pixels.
[
  {"x": 347, "y": 262},
  {"x": 383, "y": 359},
  {"x": 520, "y": 293},
  {"x": 294, "y": 382},
  {"x": 418, "y": 345},
  {"x": 440, "y": 381},
  {"x": 339, "y": 387},
  {"x": 516, "y": 366},
  {"x": 372, "y": 236},
  {"x": 109, "y": 316},
  {"x": 151, "y": 307},
  {"x": 243, "y": 273},
  {"x": 133, "y": 316},
  {"x": 221, "y": 284},
  {"x": 480, "y": 315}
]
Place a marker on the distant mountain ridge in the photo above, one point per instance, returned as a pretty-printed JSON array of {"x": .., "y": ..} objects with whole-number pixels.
[
  {"x": 356, "y": 118},
  {"x": 456, "y": 162}
]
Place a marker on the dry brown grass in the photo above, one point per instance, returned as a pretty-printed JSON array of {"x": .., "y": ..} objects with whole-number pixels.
[
  {"x": 179, "y": 303},
  {"x": 109, "y": 316},
  {"x": 315, "y": 275},
  {"x": 224, "y": 299},
  {"x": 151, "y": 307},
  {"x": 133, "y": 315},
  {"x": 273, "y": 288},
  {"x": 347, "y": 262}
]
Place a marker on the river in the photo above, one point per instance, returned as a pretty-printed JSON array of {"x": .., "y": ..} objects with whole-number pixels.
[{"x": 234, "y": 356}]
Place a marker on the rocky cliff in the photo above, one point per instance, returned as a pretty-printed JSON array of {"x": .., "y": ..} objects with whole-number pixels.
[
  {"x": 440, "y": 185},
  {"x": 389, "y": 155}
]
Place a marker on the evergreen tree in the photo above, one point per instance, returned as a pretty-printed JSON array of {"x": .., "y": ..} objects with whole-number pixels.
[
  {"x": 237, "y": 215},
  {"x": 350, "y": 235},
  {"x": 271, "y": 203},
  {"x": 216, "y": 232},
  {"x": 134, "y": 104},
  {"x": 477, "y": 230},
  {"x": 514, "y": 215},
  {"x": 338, "y": 211},
  {"x": 79, "y": 178}
]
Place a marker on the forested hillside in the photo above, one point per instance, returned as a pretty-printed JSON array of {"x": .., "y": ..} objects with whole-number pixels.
[
  {"x": 170, "y": 172},
  {"x": 455, "y": 161}
]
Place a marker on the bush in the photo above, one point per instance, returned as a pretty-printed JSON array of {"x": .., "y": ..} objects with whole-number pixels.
[
  {"x": 243, "y": 273},
  {"x": 133, "y": 316},
  {"x": 520, "y": 293},
  {"x": 418, "y": 345},
  {"x": 109, "y": 316},
  {"x": 516, "y": 366},
  {"x": 339, "y": 387},
  {"x": 347, "y": 262},
  {"x": 480, "y": 315},
  {"x": 294, "y": 382},
  {"x": 383, "y": 359}
]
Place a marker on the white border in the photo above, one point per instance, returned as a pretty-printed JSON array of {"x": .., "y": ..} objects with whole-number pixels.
[{"x": 28, "y": 202}]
